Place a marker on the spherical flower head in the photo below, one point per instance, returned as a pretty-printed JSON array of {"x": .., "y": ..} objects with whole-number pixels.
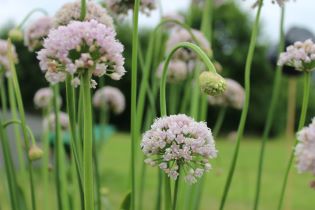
[
  {"x": 211, "y": 83},
  {"x": 300, "y": 55},
  {"x": 4, "y": 60},
  {"x": 304, "y": 150},
  {"x": 179, "y": 35},
  {"x": 50, "y": 121},
  {"x": 233, "y": 96},
  {"x": 16, "y": 35},
  {"x": 177, "y": 71},
  {"x": 110, "y": 98},
  {"x": 122, "y": 7},
  {"x": 35, "y": 153},
  {"x": 178, "y": 143},
  {"x": 80, "y": 47},
  {"x": 43, "y": 98},
  {"x": 72, "y": 11},
  {"x": 36, "y": 32}
]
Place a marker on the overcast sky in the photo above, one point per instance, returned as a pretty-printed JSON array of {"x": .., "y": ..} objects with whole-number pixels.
[{"x": 299, "y": 12}]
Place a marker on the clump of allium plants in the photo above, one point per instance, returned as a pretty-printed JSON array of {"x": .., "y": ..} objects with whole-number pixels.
[{"x": 79, "y": 52}]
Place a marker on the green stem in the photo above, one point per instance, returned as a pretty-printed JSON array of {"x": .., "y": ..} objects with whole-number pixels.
[
  {"x": 23, "y": 120},
  {"x": 30, "y": 14},
  {"x": 159, "y": 190},
  {"x": 307, "y": 84},
  {"x": 83, "y": 10},
  {"x": 173, "y": 99},
  {"x": 241, "y": 127},
  {"x": 167, "y": 192},
  {"x": 97, "y": 177},
  {"x": 3, "y": 96},
  {"x": 87, "y": 144},
  {"x": 186, "y": 98},
  {"x": 219, "y": 122},
  {"x": 206, "y": 24},
  {"x": 176, "y": 192},
  {"x": 195, "y": 94},
  {"x": 45, "y": 139},
  {"x": 270, "y": 115}
]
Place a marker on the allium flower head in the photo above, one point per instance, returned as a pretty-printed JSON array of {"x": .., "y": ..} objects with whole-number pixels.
[
  {"x": 109, "y": 98},
  {"x": 177, "y": 71},
  {"x": 43, "y": 97},
  {"x": 36, "y": 32},
  {"x": 72, "y": 11},
  {"x": 300, "y": 55},
  {"x": 4, "y": 61},
  {"x": 212, "y": 83},
  {"x": 178, "y": 143},
  {"x": 182, "y": 35},
  {"x": 122, "y": 7},
  {"x": 50, "y": 121},
  {"x": 35, "y": 153},
  {"x": 233, "y": 96},
  {"x": 80, "y": 47},
  {"x": 304, "y": 150}
]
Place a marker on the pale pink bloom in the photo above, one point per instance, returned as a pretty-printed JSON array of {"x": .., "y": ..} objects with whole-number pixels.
[
  {"x": 305, "y": 149},
  {"x": 178, "y": 143},
  {"x": 72, "y": 11},
  {"x": 177, "y": 71},
  {"x": 36, "y": 32},
  {"x": 110, "y": 98},
  {"x": 80, "y": 47},
  {"x": 122, "y": 7},
  {"x": 50, "y": 121},
  {"x": 43, "y": 97},
  {"x": 4, "y": 61}
]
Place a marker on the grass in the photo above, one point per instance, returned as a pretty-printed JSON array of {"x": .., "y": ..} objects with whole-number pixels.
[{"x": 114, "y": 160}]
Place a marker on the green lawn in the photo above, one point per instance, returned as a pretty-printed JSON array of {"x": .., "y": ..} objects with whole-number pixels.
[{"x": 114, "y": 161}]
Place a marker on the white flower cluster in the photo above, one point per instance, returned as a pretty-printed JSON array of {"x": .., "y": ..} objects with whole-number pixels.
[
  {"x": 177, "y": 71},
  {"x": 36, "y": 32},
  {"x": 4, "y": 61},
  {"x": 178, "y": 144},
  {"x": 300, "y": 55},
  {"x": 50, "y": 121},
  {"x": 305, "y": 149},
  {"x": 43, "y": 97},
  {"x": 71, "y": 11},
  {"x": 233, "y": 96},
  {"x": 109, "y": 98}
]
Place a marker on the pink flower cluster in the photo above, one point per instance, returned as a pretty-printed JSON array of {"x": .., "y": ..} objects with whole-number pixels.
[
  {"x": 178, "y": 144},
  {"x": 4, "y": 61},
  {"x": 304, "y": 150},
  {"x": 121, "y": 7},
  {"x": 43, "y": 97},
  {"x": 110, "y": 98},
  {"x": 300, "y": 55},
  {"x": 233, "y": 96},
  {"x": 36, "y": 32},
  {"x": 72, "y": 11},
  {"x": 80, "y": 47},
  {"x": 177, "y": 71},
  {"x": 50, "y": 121}
]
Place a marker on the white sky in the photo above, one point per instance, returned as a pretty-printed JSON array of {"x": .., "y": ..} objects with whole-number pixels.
[{"x": 299, "y": 12}]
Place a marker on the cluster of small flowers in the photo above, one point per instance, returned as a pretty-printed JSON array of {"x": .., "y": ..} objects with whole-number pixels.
[
  {"x": 81, "y": 46},
  {"x": 177, "y": 71},
  {"x": 177, "y": 144},
  {"x": 279, "y": 2},
  {"x": 233, "y": 96},
  {"x": 109, "y": 98},
  {"x": 122, "y": 7},
  {"x": 50, "y": 121},
  {"x": 43, "y": 98},
  {"x": 179, "y": 35},
  {"x": 36, "y": 32},
  {"x": 4, "y": 61},
  {"x": 300, "y": 55},
  {"x": 304, "y": 150},
  {"x": 71, "y": 11}
]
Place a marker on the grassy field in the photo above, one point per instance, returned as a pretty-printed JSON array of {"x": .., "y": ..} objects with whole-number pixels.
[{"x": 114, "y": 162}]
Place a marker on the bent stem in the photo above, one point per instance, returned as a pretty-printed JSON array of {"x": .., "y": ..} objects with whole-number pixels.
[
  {"x": 30, "y": 14},
  {"x": 306, "y": 93},
  {"x": 241, "y": 127},
  {"x": 270, "y": 117}
]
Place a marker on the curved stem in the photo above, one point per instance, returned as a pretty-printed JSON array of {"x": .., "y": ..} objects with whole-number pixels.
[
  {"x": 241, "y": 127},
  {"x": 307, "y": 84},
  {"x": 30, "y": 133},
  {"x": 30, "y": 14},
  {"x": 198, "y": 51},
  {"x": 270, "y": 117}
]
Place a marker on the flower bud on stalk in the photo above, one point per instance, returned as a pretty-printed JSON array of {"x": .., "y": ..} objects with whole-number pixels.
[
  {"x": 35, "y": 153},
  {"x": 212, "y": 83},
  {"x": 16, "y": 35}
]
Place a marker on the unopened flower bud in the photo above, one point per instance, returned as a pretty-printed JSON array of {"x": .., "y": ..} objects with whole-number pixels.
[
  {"x": 16, "y": 35},
  {"x": 35, "y": 152},
  {"x": 212, "y": 83}
]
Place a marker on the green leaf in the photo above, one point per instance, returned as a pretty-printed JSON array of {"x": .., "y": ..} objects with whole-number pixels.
[{"x": 125, "y": 205}]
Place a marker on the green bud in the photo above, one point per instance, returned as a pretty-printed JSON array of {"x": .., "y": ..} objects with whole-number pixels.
[
  {"x": 212, "y": 83},
  {"x": 16, "y": 35},
  {"x": 35, "y": 152}
]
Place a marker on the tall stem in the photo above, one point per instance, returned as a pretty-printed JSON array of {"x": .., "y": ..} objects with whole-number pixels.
[
  {"x": 87, "y": 144},
  {"x": 176, "y": 192},
  {"x": 306, "y": 93},
  {"x": 241, "y": 127},
  {"x": 269, "y": 120},
  {"x": 219, "y": 121},
  {"x": 83, "y": 10}
]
